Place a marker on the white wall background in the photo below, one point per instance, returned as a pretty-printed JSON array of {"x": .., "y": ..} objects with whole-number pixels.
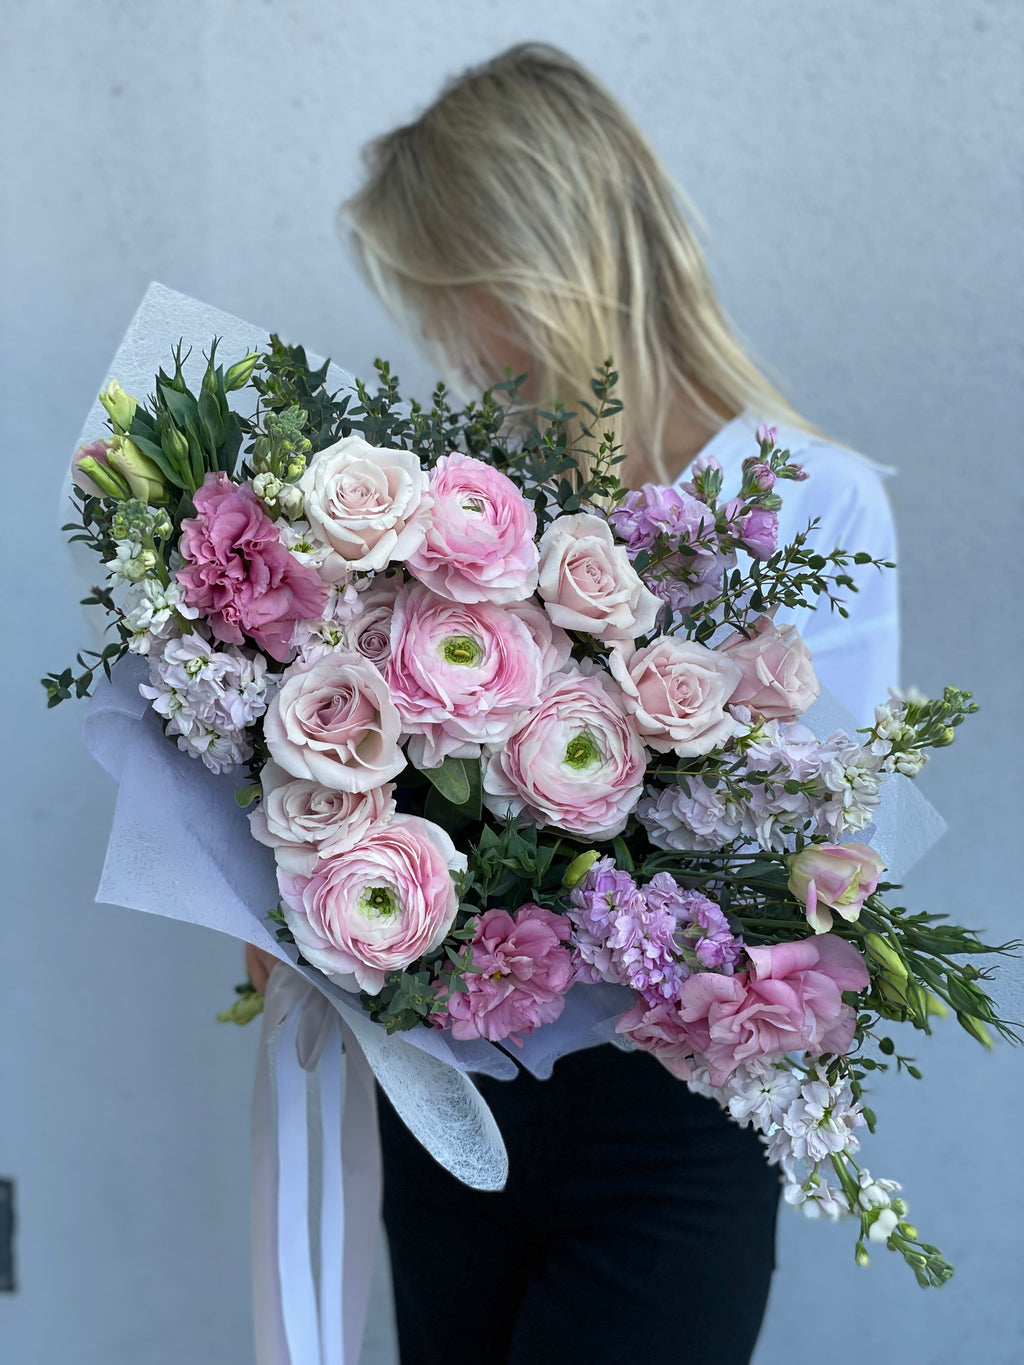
[{"x": 858, "y": 168}]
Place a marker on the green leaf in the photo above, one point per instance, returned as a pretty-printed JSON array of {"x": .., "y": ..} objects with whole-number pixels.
[
  {"x": 452, "y": 779},
  {"x": 245, "y": 796}
]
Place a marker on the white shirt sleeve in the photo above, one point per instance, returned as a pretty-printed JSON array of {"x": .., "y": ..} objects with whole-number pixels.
[{"x": 856, "y": 658}]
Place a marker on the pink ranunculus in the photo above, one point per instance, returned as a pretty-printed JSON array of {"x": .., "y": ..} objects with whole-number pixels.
[
  {"x": 520, "y": 973},
  {"x": 333, "y": 722},
  {"x": 791, "y": 1000},
  {"x": 460, "y": 674},
  {"x": 303, "y": 821},
  {"x": 370, "y": 631},
  {"x": 554, "y": 644},
  {"x": 839, "y": 877},
  {"x": 367, "y": 504},
  {"x": 677, "y": 691},
  {"x": 239, "y": 575},
  {"x": 657, "y": 1028},
  {"x": 479, "y": 545},
  {"x": 777, "y": 679},
  {"x": 576, "y": 762},
  {"x": 588, "y": 583},
  {"x": 378, "y": 906}
]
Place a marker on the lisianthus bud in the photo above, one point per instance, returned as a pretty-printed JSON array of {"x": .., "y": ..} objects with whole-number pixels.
[
  {"x": 839, "y": 877},
  {"x": 92, "y": 473},
  {"x": 142, "y": 476},
  {"x": 579, "y": 867},
  {"x": 175, "y": 446},
  {"x": 239, "y": 374},
  {"x": 120, "y": 405}
]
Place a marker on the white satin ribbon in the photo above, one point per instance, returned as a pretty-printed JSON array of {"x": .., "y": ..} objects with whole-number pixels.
[{"x": 302, "y": 1318}]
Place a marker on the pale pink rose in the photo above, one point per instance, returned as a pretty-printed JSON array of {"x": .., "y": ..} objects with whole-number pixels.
[
  {"x": 370, "y": 631},
  {"x": 521, "y": 972},
  {"x": 303, "y": 821},
  {"x": 677, "y": 691},
  {"x": 839, "y": 877},
  {"x": 790, "y": 1001},
  {"x": 479, "y": 545},
  {"x": 554, "y": 644},
  {"x": 368, "y": 504},
  {"x": 576, "y": 762},
  {"x": 239, "y": 575},
  {"x": 377, "y": 907},
  {"x": 659, "y": 1030},
  {"x": 334, "y": 722},
  {"x": 777, "y": 680},
  {"x": 588, "y": 583},
  {"x": 460, "y": 674}
]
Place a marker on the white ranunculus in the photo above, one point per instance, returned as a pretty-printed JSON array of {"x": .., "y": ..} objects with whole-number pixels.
[{"x": 368, "y": 504}]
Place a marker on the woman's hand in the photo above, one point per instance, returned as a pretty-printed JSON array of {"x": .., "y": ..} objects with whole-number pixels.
[{"x": 259, "y": 965}]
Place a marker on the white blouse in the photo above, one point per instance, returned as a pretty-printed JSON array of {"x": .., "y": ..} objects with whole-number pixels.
[{"x": 856, "y": 658}]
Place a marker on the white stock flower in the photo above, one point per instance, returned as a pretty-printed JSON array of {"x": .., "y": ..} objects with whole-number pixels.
[{"x": 758, "y": 1094}]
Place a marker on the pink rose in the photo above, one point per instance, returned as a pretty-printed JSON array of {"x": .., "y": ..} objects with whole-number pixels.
[
  {"x": 377, "y": 907},
  {"x": 368, "y": 505},
  {"x": 370, "y": 631},
  {"x": 554, "y": 645},
  {"x": 238, "y": 573},
  {"x": 658, "y": 1029},
  {"x": 520, "y": 974},
  {"x": 460, "y": 674},
  {"x": 676, "y": 691},
  {"x": 827, "y": 877},
  {"x": 790, "y": 1001},
  {"x": 777, "y": 680},
  {"x": 479, "y": 545},
  {"x": 588, "y": 583},
  {"x": 576, "y": 762},
  {"x": 303, "y": 821},
  {"x": 333, "y": 722}
]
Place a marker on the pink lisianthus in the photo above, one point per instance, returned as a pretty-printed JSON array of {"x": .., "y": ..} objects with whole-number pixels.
[
  {"x": 576, "y": 762},
  {"x": 460, "y": 674},
  {"x": 790, "y": 1001},
  {"x": 658, "y": 1029},
  {"x": 777, "y": 679},
  {"x": 520, "y": 973},
  {"x": 479, "y": 545},
  {"x": 839, "y": 877},
  {"x": 95, "y": 450},
  {"x": 378, "y": 906},
  {"x": 238, "y": 574}
]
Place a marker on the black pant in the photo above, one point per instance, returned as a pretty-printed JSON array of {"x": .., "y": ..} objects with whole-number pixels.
[{"x": 637, "y": 1219}]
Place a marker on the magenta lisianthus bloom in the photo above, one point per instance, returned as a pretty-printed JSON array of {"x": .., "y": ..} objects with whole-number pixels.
[
  {"x": 460, "y": 674},
  {"x": 576, "y": 761},
  {"x": 377, "y": 906},
  {"x": 239, "y": 575},
  {"x": 791, "y": 1000},
  {"x": 480, "y": 541},
  {"x": 520, "y": 973}
]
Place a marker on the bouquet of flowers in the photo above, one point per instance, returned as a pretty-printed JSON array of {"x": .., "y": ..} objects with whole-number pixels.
[{"x": 507, "y": 727}]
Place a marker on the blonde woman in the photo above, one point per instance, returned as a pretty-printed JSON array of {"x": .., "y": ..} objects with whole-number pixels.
[{"x": 523, "y": 220}]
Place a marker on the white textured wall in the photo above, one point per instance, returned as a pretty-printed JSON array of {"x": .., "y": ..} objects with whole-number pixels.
[{"x": 858, "y": 168}]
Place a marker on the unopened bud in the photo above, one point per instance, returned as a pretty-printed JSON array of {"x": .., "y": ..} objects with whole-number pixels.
[
  {"x": 861, "y": 1255},
  {"x": 945, "y": 737},
  {"x": 579, "y": 867},
  {"x": 120, "y": 405},
  {"x": 290, "y": 501},
  {"x": 240, "y": 373}
]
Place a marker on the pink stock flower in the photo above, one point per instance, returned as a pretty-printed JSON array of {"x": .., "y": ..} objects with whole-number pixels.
[
  {"x": 520, "y": 973},
  {"x": 238, "y": 574},
  {"x": 377, "y": 907},
  {"x": 791, "y": 1000},
  {"x": 677, "y": 690},
  {"x": 460, "y": 674},
  {"x": 588, "y": 583},
  {"x": 839, "y": 877},
  {"x": 333, "y": 722},
  {"x": 777, "y": 679},
  {"x": 479, "y": 545},
  {"x": 576, "y": 762},
  {"x": 756, "y": 528}
]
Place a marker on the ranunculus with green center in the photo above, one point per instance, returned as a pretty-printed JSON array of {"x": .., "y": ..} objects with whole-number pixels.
[
  {"x": 461, "y": 674},
  {"x": 839, "y": 877},
  {"x": 576, "y": 762},
  {"x": 378, "y": 906}
]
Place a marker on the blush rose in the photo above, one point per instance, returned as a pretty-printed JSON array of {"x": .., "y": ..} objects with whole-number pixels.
[
  {"x": 677, "y": 691},
  {"x": 777, "y": 679},
  {"x": 304, "y": 821},
  {"x": 588, "y": 583}
]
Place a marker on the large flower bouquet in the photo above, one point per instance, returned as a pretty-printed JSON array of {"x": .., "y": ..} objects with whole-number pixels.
[{"x": 508, "y": 727}]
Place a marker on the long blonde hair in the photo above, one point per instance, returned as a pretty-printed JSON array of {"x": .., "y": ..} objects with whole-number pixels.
[{"x": 526, "y": 181}]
